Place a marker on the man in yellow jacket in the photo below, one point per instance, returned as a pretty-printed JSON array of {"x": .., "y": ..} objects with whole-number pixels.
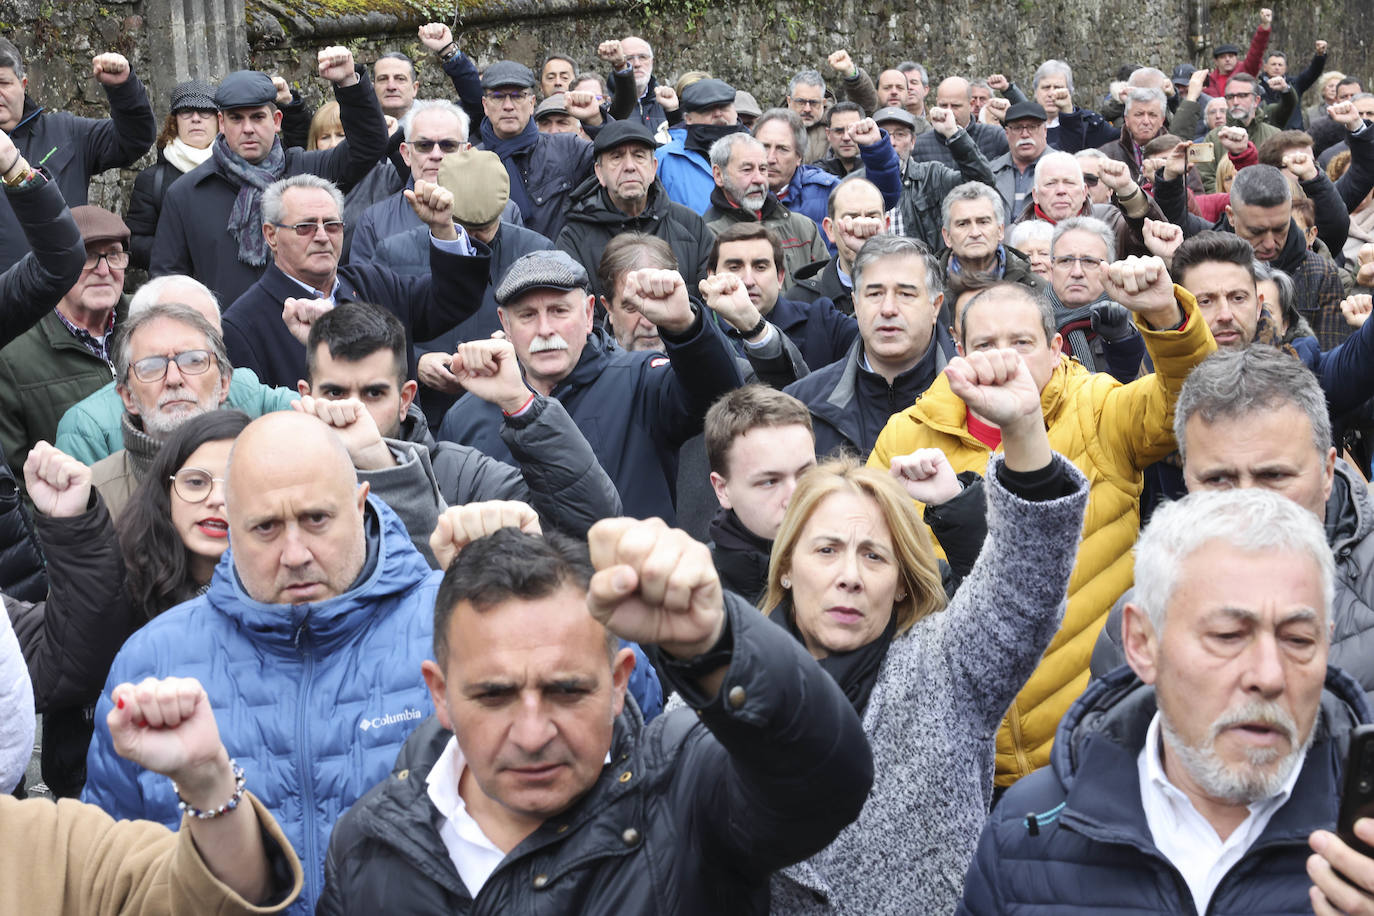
[{"x": 1111, "y": 431}]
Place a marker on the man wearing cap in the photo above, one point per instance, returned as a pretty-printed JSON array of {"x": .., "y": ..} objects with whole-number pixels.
[
  {"x": 551, "y": 117},
  {"x": 740, "y": 169},
  {"x": 636, "y": 409},
  {"x": 956, "y": 94},
  {"x": 67, "y": 354},
  {"x": 68, "y": 148},
  {"x": 684, "y": 163},
  {"x": 433, "y": 129},
  {"x": 1226, "y": 58},
  {"x": 211, "y": 223},
  {"x": 747, "y": 109},
  {"x": 481, "y": 194},
  {"x": 625, "y": 195},
  {"x": 543, "y": 168},
  {"x": 303, "y": 227},
  {"x": 1014, "y": 173}
]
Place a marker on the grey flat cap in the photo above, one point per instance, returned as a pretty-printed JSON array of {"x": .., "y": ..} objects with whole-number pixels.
[
  {"x": 196, "y": 95},
  {"x": 746, "y": 104},
  {"x": 540, "y": 270},
  {"x": 506, "y": 73},
  {"x": 245, "y": 89},
  {"x": 893, "y": 113},
  {"x": 707, "y": 94}
]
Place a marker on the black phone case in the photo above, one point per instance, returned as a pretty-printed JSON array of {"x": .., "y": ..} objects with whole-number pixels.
[{"x": 1357, "y": 796}]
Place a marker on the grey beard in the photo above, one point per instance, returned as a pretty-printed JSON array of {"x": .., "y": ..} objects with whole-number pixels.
[{"x": 1261, "y": 779}]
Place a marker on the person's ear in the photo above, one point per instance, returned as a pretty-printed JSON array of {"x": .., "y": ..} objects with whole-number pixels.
[
  {"x": 302, "y": 387},
  {"x": 828, "y": 227},
  {"x": 722, "y": 497},
  {"x": 1140, "y": 643},
  {"x": 276, "y": 119},
  {"x": 622, "y": 666},
  {"x": 408, "y": 395},
  {"x": 944, "y": 234},
  {"x": 364, "y": 488},
  {"x": 438, "y": 691},
  {"x": 127, "y": 398},
  {"x": 224, "y": 379},
  {"x": 405, "y": 152},
  {"x": 1328, "y": 473},
  {"x": 718, "y": 175},
  {"x": 269, "y": 232},
  {"x": 505, "y": 321}
]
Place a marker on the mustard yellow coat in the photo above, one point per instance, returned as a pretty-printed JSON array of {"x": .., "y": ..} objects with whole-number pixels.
[{"x": 1111, "y": 432}]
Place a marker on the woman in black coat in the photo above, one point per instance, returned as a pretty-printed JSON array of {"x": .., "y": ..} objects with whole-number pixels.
[{"x": 185, "y": 142}]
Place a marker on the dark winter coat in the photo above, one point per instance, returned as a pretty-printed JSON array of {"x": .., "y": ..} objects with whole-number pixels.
[
  {"x": 821, "y": 280},
  {"x": 145, "y": 206}
]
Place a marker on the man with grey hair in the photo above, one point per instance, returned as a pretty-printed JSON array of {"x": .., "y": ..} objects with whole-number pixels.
[
  {"x": 1206, "y": 773},
  {"x": 806, "y": 95},
  {"x": 1146, "y": 113},
  {"x": 1098, "y": 332},
  {"x": 917, "y": 87},
  {"x": 901, "y": 349},
  {"x": 1067, "y": 127},
  {"x": 433, "y": 128},
  {"x": 973, "y": 231},
  {"x": 303, "y": 225},
  {"x": 170, "y": 366},
  {"x": 1089, "y": 163},
  {"x": 93, "y": 428},
  {"x": 739, "y": 167}
]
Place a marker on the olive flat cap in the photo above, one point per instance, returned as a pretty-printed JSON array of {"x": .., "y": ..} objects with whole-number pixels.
[
  {"x": 540, "y": 270},
  {"x": 508, "y": 73},
  {"x": 479, "y": 183},
  {"x": 245, "y": 89},
  {"x": 707, "y": 94}
]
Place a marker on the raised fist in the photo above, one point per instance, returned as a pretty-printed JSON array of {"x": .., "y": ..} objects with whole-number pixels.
[
  {"x": 1143, "y": 286},
  {"x": 58, "y": 484},
  {"x": 843, "y": 64},
  {"x": 300, "y": 314},
  {"x": 726, "y": 295},
  {"x": 489, "y": 369},
  {"x": 283, "y": 91},
  {"x": 1321, "y": 46},
  {"x": 1266, "y": 18},
  {"x": 866, "y": 132},
  {"x": 110, "y": 69},
  {"x": 459, "y": 526},
  {"x": 336, "y": 65},
  {"x": 1345, "y": 113},
  {"x": 666, "y": 97},
  {"x": 582, "y": 105},
  {"x": 1162, "y": 239},
  {"x": 1115, "y": 175},
  {"x": 942, "y": 121},
  {"x": 661, "y": 297},
  {"x": 167, "y": 726},
  {"x": 998, "y": 82},
  {"x": 436, "y": 36},
  {"x": 1196, "y": 82},
  {"x": 434, "y": 205},
  {"x": 1356, "y": 309},
  {"x": 927, "y": 476},
  {"x": 1234, "y": 140},
  {"x": 611, "y": 52},
  {"x": 1301, "y": 164},
  {"x": 354, "y": 425},
  {"x": 655, "y": 585},
  {"x": 996, "y": 385},
  {"x": 1063, "y": 100},
  {"x": 1277, "y": 83},
  {"x": 995, "y": 111}
]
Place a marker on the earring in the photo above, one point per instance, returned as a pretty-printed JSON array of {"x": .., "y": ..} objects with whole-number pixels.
[
  {"x": 785, "y": 582},
  {"x": 902, "y": 596}
]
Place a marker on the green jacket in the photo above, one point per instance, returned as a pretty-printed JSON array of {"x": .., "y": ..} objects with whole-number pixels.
[
  {"x": 91, "y": 430},
  {"x": 1261, "y": 127},
  {"x": 43, "y": 372}
]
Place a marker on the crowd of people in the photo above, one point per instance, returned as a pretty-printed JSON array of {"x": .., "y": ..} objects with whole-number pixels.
[{"x": 593, "y": 491}]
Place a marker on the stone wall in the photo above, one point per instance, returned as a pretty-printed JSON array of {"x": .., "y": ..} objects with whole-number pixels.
[{"x": 754, "y": 44}]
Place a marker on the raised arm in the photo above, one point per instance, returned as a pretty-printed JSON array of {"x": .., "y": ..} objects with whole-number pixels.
[
  {"x": 364, "y": 127},
  {"x": 778, "y": 763},
  {"x": 131, "y": 128}
]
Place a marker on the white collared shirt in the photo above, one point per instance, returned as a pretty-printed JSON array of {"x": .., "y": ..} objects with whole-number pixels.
[
  {"x": 1184, "y": 836},
  {"x": 473, "y": 854},
  {"x": 315, "y": 293}
]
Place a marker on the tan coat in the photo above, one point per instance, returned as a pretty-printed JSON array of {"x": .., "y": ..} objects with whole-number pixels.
[{"x": 73, "y": 858}]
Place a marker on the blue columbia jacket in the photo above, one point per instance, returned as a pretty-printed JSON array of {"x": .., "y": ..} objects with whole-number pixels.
[
  {"x": 1085, "y": 846},
  {"x": 685, "y": 174}
]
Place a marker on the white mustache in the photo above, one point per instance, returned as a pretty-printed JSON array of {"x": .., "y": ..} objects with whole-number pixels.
[{"x": 552, "y": 342}]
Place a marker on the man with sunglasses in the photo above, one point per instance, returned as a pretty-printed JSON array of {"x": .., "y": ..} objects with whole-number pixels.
[
  {"x": 67, "y": 354},
  {"x": 433, "y": 128},
  {"x": 170, "y": 365},
  {"x": 304, "y": 229}
]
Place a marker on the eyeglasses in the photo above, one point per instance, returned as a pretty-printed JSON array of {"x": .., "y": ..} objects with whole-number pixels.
[
  {"x": 1067, "y": 261},
  {"x": 1237, "y": 96},
  {"x": 1025, "y": 127},
  {"x": 188, "y": 113},
  {"x": 194, "y": 484},
  {"x": 154, "y": 368},
  {"x": 1090, "y": 179},
  {"x": 808, "y": 103},
  {"x": 118, "y": 260},
  {"x": 500, "y": 98},
  {"x": 636, "y": 58},
  {"x": 447, "y": 146},
  {"x": 307, "y": 229}
]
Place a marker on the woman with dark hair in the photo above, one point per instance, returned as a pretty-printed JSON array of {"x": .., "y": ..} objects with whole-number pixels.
[
  {"x": 173, "y": 531},
  {"x": 183, "y": 144},
  {"x": 104, "y": 583},
  {"x": 853, "y": 578}
]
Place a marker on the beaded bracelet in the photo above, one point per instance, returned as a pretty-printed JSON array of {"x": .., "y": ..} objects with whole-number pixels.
[{"x": 223, "y": 809}]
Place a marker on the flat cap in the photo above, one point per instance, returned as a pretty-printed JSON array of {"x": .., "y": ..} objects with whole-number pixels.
[
  {"x": 893, "y": 113},
  {"x": 96, "y": 224},
  {"x": 195, "y": 94},
  {"x": 508, "y": 73},
  {"x": 618, "y": 133},
  {"x": 554, "y": 104},
  {"x": 479, "y": 183},
  {"x": 1183, "y": 74},
  {"x": 1022, "y": 110},
  {"x": 707, "y": 94},
  {"x": 1226, "y": 49},
  {"x": 540, "y": 270},
  {"x": 245, "y": 89},
  {"x": 746, "y": 104}
]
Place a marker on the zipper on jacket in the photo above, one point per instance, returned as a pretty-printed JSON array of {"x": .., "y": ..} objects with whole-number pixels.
[{"x": 305, "y": 772}]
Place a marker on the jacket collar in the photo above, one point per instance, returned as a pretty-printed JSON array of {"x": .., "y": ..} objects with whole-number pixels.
[
  {"x": 772, "y": 207},
  {"x": 596, "y": 353},
  {"x": 1349, "y": 510},
  {"x": 591, "y": 204},
  {"x": 397, "y": 569},
  {"x": 281, "y": 287},
  {"x": 140, "y": 447},
  {"x": 918, "y": 378}
]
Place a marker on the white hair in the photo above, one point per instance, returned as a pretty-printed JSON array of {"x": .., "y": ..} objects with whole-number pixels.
[
  {"x": 1061, "y": 158},
  {"x": 1252, "y": 519},
  {"x": 423, "y": 105}
]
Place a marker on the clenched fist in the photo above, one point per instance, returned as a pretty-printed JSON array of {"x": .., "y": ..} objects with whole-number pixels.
[{"x": 110, "y": 69}]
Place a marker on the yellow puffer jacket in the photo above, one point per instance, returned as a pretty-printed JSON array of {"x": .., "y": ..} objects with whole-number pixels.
[{"x": 1111, "y": 432}]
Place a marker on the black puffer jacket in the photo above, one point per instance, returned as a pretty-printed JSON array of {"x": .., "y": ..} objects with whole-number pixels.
[
  {"x": 145, "y": 206},
  {"x": 691, "y": 815},
  {"x": 593, "y": 221}
]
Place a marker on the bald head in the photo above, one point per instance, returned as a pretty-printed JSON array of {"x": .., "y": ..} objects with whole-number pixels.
[
  {"x": 956, "y": 94},
  {"x": 295, "y": 511}
]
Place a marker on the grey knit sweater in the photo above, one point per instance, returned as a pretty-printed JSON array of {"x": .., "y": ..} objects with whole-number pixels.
[{"x": 933, "y": 717}]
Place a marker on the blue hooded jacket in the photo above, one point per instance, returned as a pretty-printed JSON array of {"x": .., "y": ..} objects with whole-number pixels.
[{"x": 314, "y": 701}]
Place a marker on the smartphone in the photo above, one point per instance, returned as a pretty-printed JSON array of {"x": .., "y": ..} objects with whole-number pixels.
[
  {"x": 1357, "y": 797},
  {"x": 1201, "y": 152}
]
